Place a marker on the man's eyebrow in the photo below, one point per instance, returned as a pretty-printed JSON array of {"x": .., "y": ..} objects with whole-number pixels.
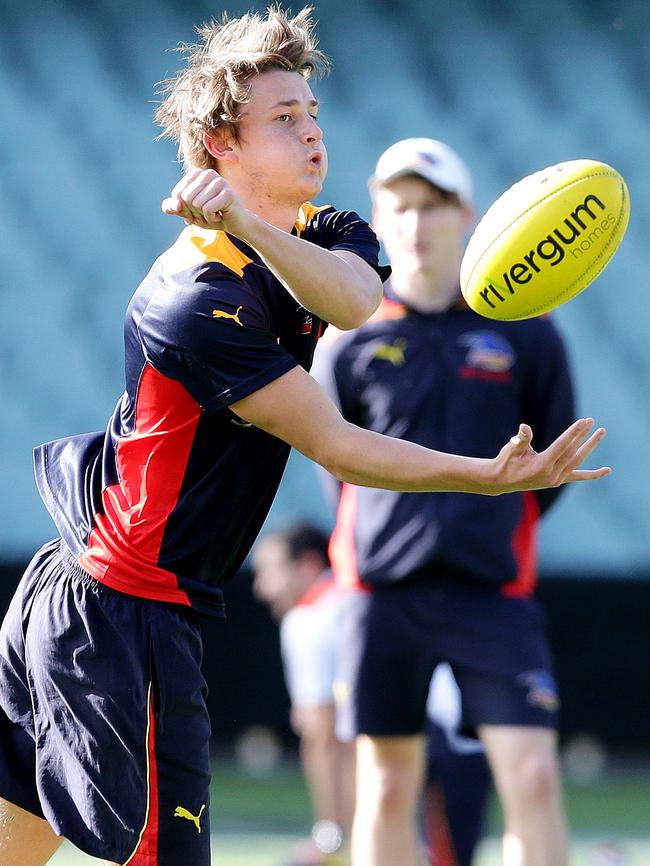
[{"x": 289, "y": 103}]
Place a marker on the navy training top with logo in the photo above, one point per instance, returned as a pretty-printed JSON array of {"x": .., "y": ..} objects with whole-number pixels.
[
  {"x": 455, "y": 382},
  {"x": 166, "y": 503}
]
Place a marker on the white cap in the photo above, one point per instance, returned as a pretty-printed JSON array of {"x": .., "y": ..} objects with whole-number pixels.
[{"x": 429, "y": 159}]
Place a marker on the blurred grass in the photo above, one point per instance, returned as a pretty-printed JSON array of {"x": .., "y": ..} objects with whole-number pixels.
[
  {"x": 256, "y": 820},
  {"x": 617, "y": 803},
  {"x": 276, "y": 802}
]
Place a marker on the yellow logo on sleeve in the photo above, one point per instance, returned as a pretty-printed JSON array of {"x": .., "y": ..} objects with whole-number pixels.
[
  {"x": 182, "y": 812},
  {"x": 222, "y": 314}
]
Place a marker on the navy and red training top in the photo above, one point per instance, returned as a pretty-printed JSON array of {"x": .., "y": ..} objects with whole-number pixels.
[
  {"x": 455, "y": 382},
  {"x": 166, "y": 503}
]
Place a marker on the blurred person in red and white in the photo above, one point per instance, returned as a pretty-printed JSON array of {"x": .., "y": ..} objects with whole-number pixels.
[{"x": 292, "y": 576}]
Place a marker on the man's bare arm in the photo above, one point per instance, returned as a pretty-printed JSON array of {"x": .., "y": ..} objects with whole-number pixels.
[
  {"x": 297, "y": 410},
  {"x": 339, "y": 286}
]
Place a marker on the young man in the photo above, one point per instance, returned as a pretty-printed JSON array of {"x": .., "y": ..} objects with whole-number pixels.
[
  {"x": 292, "y": 575},
  {"x": 452, "y": 577},
  {"x": 104, "y": 731}
]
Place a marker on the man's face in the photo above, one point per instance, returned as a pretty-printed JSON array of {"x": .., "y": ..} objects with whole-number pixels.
[
  {"x": 422, "y": 229},
  {"x": 276, "y": 581},
  {"x": 280, "y": 149}
]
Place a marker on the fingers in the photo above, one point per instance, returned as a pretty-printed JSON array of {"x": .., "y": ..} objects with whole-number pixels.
[
  {"x": 187, "y": 179},
  {"x": 590, "y": 444},
  {"x": 575, "y": 453},
  {"x": 562, "y": 452},
  {"x": 523, "y": 437},
  {"x": 172, "y": 205},
  {"x": 560, "y": 461},
  {"x": 581, "y": 455},
  {"x": 589, "y": 474},
  {"x": 567, "y": 460},
  {"x": 199, "y": 197},
  {"x": 177, "y": 207}
]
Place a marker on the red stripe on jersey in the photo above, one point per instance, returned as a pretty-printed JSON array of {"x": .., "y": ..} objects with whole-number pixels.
[
  {"x": 342, "y": 547},
  {"x": 524, "y": 548},
  {"x": 146, "y": 854},
  {"x": 124, "y": 547}
]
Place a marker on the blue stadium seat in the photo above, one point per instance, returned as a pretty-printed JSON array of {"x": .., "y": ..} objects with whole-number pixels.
[{"x": 513, "y": 86}]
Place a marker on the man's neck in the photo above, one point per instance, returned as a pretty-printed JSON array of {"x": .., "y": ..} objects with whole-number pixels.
[
  {"x": 259, "y": 201},
  {"x": 424, "y": 294},
  {"x": 281, "y": 216}
]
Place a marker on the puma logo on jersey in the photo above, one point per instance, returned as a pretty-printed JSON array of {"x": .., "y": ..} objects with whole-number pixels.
[
  {"x": 221, "y": 314},
  {"x": 182, "y": 812},
  {"x": 394, "y": 354}
]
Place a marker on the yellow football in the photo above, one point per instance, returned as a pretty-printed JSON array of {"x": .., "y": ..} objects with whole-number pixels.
[{"x": 545, "y": 240}]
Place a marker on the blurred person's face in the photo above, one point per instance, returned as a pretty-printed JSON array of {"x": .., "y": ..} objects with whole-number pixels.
[
  {"x": 280, "y": 157},
  {"x": 423, "y": 230},
  {"x": 276, "y": 579}
]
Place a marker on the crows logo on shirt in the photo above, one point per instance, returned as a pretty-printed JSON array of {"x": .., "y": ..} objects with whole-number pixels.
[
  {"x": 488, "y": 351},
  {"x": 541, "y": 690},
  {"x": 489, "y": 356}
]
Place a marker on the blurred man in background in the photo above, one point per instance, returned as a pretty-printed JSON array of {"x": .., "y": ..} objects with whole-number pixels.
[
  {"x": 292, "y": 576},
  {"x": 451, "y": 576}
]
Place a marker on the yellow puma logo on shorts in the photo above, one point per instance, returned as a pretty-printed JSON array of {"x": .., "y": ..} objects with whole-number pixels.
[
  {"x": 182, "y": 812},
  {"x": 222, "y": 314}
]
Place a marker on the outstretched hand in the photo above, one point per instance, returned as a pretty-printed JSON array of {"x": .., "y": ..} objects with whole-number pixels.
[
  {"x": 203, "y": 198},
  {"x": 520, "y": 467}
]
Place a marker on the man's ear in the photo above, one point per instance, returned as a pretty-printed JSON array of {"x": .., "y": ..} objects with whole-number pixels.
[
  {"x": 219, "y": 144},
  {"x": 310, "y": 564},
  {"x": 469, "y": 215}
]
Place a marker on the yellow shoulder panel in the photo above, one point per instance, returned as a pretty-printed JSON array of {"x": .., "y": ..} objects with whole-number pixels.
[
  {"x": 306, "y": 214},
  {"x": 196, "y": 245}
]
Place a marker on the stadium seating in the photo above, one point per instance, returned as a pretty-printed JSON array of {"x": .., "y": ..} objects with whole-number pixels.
[{"x": 513, "y": 86}]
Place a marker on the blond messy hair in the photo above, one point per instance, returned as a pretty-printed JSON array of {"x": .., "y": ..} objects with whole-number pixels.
[{"x": 209, "y": 92}]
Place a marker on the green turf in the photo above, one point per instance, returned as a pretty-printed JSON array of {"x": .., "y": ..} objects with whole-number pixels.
[
  {"x": 278, "y": 803},
  {"x": 255, "y": 821},
  {"x": 618, "y": 803},
  {"x": 274, "y": 851}
]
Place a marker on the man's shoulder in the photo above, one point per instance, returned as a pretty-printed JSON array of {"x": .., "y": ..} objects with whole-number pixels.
[
  {"x": 526, "y": 331},
  {"x": 204, "y": 272},
  {"x": 212, "y": 255}
]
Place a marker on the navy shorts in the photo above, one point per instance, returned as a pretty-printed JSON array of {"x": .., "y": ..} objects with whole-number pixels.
[
  {"x": 394, "y": 636},
  {"x": 104, "y": 730}
]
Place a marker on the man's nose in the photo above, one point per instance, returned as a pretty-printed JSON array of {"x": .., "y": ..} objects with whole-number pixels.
[{"x": 312, "y": 131}]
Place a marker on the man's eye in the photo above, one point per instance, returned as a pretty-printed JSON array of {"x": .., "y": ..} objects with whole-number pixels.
[{"x": 284, "y": 117}]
